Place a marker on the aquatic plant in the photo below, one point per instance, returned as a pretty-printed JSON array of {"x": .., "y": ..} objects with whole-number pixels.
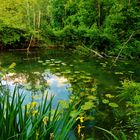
[{"x": 34, "y": 120}]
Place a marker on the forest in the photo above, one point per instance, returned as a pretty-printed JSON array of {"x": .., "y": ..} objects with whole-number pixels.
[
  {"x": 107, "y": 26},
  {"x": 69, "y": 69}
]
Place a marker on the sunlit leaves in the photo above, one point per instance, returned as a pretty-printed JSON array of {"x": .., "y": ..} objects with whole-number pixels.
[
  {"x": 105, "y": 101},
  {"x": 118, "y": 73},
  {"x": 109, "y": 101},
  {"x": 87, "y": 105},
  {"x": 114, "y": 105},
  {"x": 12, "y": 66},
  {"x": 109, "y": 96}
]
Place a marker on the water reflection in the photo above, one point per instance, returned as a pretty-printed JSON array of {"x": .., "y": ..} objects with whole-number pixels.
[{"x": 36, "y": 84}]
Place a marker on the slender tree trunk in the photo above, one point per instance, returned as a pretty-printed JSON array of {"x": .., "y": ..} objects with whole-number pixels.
[{"x": 99, "y": 13}]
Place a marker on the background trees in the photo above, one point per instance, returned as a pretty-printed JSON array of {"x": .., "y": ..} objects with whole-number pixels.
[{"x": 106, "y": 25}]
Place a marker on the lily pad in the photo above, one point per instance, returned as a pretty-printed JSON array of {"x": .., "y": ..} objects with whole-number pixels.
[
  {"x": 113, "y": 105},
  {"x": 64, "y": 64},
  {"x": 58, "y": 74},
  {"x": 77, "y": 72},
  {"x": 87, "y": 106},
  {"x": 44, "y": 64},
  {"x": 91, "y": 97},
  {"x": 93, "y": 89},
  {"x": 57, "y": 68},
  {"x": 119, "y": 73},
  {"x": 52, "y": 64},
  {"x": 105, "y": 101},
  {"x": 109, "y": 96},
  {"x": 130, "y": 72},
  {"x": 40, "y": 61}
]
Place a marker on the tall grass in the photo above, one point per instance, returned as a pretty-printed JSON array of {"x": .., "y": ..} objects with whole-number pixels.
[{"x": 33, "y": 121}]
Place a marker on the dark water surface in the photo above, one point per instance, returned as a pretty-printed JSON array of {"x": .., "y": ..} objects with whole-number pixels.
[{"x": 59, "y": 73}]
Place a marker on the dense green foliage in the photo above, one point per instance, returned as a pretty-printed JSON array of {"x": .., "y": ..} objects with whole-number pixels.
[
  {"x": 111, "y": 26},
  {"x": 34, "y": 120},
  {"x": 102, "y": 27}
]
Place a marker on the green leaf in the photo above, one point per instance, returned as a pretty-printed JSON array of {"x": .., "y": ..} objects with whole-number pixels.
[
  {"x": 109, "y": 96},
  {"x": 105, "y": 101},
  {"x": 113, "y": 105},
  {"x": 118, "y": 73},
  {"x": 87, "y": 106}
]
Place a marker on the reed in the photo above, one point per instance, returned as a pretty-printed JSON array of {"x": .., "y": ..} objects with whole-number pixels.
[{"x": 33, "y": 121}]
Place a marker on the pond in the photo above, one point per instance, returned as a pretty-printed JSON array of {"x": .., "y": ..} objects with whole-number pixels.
[{"x": 60, "y": 73}]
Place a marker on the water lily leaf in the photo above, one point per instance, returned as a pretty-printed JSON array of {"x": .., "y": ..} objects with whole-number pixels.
[
  {"x": 52, "y": 64},
  {"x": 113, "y": 104},
  {"x": 105, "y": 101},
  {"x": 40, "y": 61},
  {"x": 77, "y": 72},
  {"x": 57, "y": 74},
  {"x": 67, "y": 71},
  {"x": 57, "y": 68},
  {"x": 130, "y": 72},
  {"x": 71, "y": 78},
  {"x": 93, "y": 89},
  {"x": 47, "y": 60},
  {"x": 64, "y": 64},
  {"x": 43, "y": 64},
  {"x": 86, "y": 81},
  {"x": 91, "y": 97},
  {"x": 84, "y": 107},
  {"x": 81, "y": 61},
  {"x": 88, "y": 74},
  {"x": 89, "y": 78},
  {"x": 82, "y": 77},
  {"x": 87, "y": 106},
  {"x": 109, "y": 96},
  {"x": 117, "y": 73},
  {"x": 57, "y": 62},
  {"x": 52, "y": 59}
]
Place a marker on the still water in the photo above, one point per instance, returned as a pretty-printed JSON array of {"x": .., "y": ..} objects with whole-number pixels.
[{"x": 60, "y": 73}]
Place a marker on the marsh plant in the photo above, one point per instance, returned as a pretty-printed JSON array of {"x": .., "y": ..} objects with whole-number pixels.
[{"x": 34, "y": 120}]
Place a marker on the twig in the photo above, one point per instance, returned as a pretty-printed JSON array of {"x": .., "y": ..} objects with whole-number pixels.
[
  {"x": 123, "y": 47},
  {"x": 94, "y": 52},
  {"x": 28, "y": 51}
]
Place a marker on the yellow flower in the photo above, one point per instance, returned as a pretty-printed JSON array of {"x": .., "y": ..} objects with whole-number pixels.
[
  {"x": 79, "y": 127},
  {"x": 45, "y": 120},
  {"x": 81, "y": 119},
  {"x": 32, "y": 105},
  {"x": 34, "y": 112}
]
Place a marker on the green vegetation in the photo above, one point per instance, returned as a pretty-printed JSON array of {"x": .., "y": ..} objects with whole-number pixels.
[
  {"x": 98, "y": 107},
  {"x": 107, "y": 115},
  {"x": 34, "y": 120},
  {"x": 111, "y": 26}
]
